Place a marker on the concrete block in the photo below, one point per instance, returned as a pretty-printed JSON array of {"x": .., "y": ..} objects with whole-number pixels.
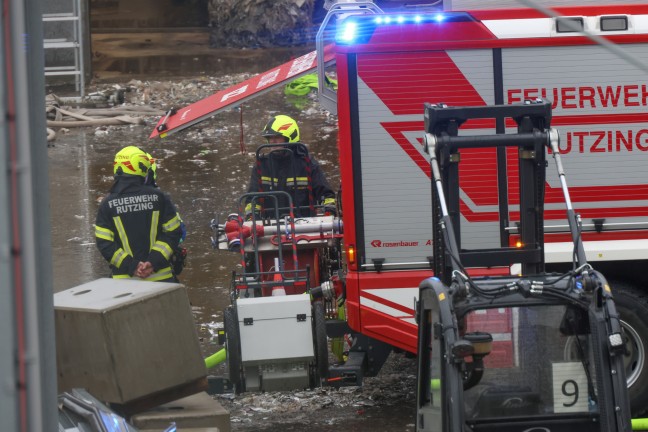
[
  {"x": 194, "y": 412},
  {"x": 125, "y": 340}
]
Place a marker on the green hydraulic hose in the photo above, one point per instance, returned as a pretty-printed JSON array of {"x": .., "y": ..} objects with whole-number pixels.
[
  {"x": 640, "y": 424},
  {"x": 215, "y": 359}
]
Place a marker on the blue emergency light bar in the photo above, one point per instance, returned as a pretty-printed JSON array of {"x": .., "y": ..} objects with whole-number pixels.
[{"x": 358, "y": 29}]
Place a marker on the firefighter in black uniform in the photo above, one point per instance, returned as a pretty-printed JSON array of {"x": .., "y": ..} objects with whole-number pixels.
[
  {"x": 288, "y": 167},
  {"x": 137, "y": 227}
]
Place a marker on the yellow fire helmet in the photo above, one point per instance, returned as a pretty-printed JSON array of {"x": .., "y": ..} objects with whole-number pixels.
[
  {"x": 132, "y": 160},
  {"x": 282, "y": 125}
]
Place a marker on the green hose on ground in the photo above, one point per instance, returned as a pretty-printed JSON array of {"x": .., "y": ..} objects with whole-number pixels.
[
  {"x": 640, "y": 424},
  {"x": 215, "y": 359}
]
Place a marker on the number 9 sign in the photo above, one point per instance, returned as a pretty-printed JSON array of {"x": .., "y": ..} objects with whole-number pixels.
[{"x": 569, "y": 387}]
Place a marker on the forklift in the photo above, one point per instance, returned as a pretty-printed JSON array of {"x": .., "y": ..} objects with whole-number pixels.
[{"x": 523, "y": 350}]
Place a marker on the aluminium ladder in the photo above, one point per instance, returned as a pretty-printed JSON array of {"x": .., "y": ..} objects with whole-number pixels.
[{"x": 70, "y": 40}]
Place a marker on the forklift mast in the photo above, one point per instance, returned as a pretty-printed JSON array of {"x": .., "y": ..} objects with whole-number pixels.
[{"x": 533, "y": 120}]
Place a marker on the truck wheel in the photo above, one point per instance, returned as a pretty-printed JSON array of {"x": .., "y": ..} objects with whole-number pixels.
[
  {"x": 233, "y": 349},
  {"x": 632, "y": 305},
  {"x": 321, "y": 342}
]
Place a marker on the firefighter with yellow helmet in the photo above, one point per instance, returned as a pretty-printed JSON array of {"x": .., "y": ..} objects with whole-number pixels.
[
  {"x": 292, "y": 170},
  {"x": 137, "y": 227}
]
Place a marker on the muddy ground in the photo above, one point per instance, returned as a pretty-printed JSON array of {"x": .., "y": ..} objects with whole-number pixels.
[
  {"x": 205, "y": 169},
  {"x": 384, "y": 403}
]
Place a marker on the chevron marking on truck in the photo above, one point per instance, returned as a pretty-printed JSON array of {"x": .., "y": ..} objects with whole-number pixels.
[{"x": 396, "y": 302}]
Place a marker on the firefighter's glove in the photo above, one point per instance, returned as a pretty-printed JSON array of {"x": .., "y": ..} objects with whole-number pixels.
[
  {"x": 330, "y": 208},
  {"x": 252, "y": 213}
]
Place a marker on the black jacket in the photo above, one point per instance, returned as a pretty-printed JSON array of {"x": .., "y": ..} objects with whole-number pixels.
[
  {"x": 293, "y": 172},
  {"x": 137, "y": 222}
]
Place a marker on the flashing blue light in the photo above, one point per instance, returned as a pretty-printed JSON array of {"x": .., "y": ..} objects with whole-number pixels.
[
  {"x": 402, "y": 19},
  {"x": 349, "y": 32},
  {"x": 359, "y": 30}
]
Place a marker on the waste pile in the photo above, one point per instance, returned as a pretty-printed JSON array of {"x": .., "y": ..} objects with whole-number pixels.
[
  {"x": 393, "y": 387},
  {"x": 144, "y": 102},
  {"x": 136, "y": 102},
  {"x": 262, "y": 23}
]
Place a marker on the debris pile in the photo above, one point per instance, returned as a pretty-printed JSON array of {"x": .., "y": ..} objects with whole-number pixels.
[
  {"x": 261, "y": 24},
  {"x": 393, "y": 387},
  {"x": 145, "y": 102},
  {"x": 137, "y": 102}
]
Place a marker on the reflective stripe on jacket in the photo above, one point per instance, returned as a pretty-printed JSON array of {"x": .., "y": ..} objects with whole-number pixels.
[
  {"x": 137, "y": 223},
  {"x": 292, "y": 173}
]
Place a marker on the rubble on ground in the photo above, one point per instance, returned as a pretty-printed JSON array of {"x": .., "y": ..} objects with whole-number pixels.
[
  {"x": 156, "y": 96},
  {"x": 395, "y": 385}
]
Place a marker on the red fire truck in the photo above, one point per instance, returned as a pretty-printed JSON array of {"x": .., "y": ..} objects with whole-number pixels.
[{"x": 589, "y": 61}]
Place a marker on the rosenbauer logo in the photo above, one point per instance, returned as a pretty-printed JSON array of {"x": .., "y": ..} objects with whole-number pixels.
[{"x": 400, "y": 243}]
